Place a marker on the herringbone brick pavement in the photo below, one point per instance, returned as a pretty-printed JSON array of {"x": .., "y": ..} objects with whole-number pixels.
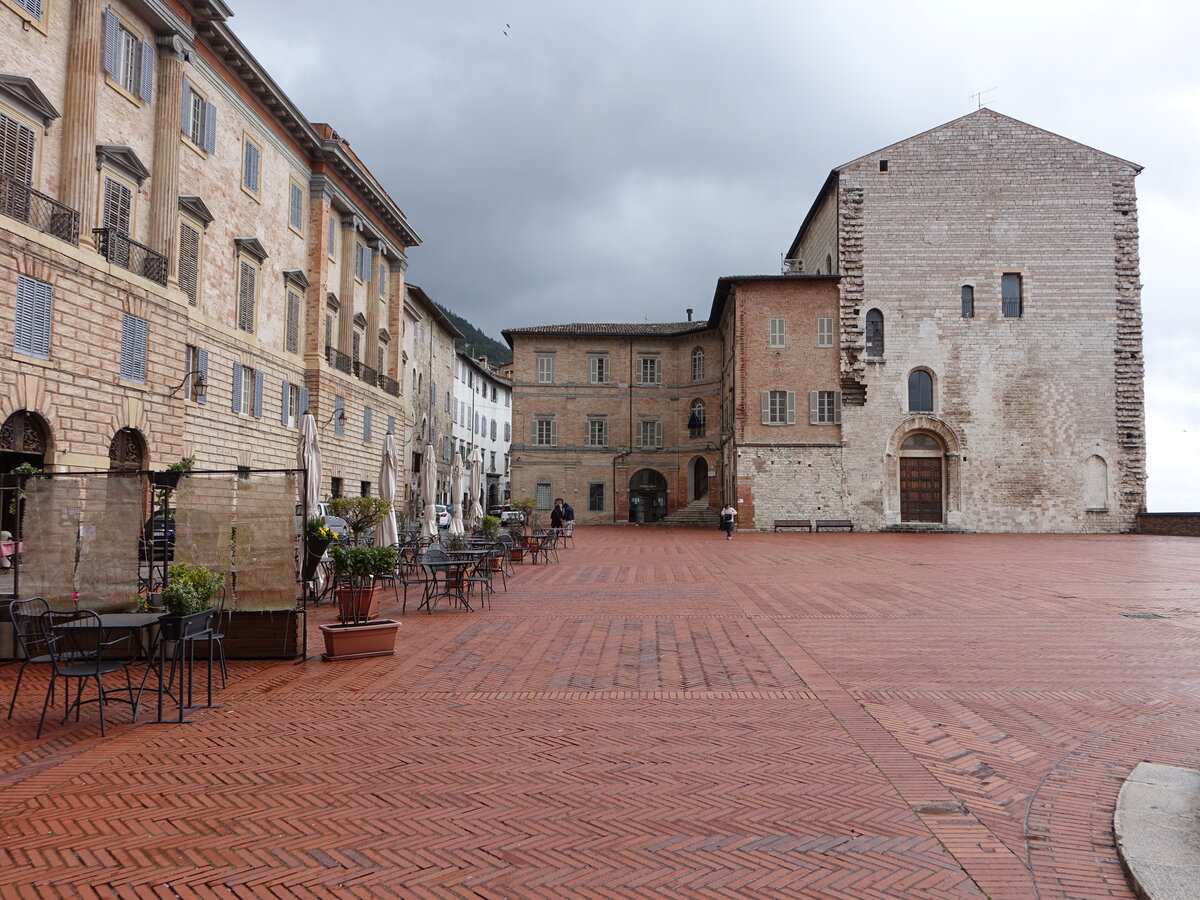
[{"x": 662, "y": 714}]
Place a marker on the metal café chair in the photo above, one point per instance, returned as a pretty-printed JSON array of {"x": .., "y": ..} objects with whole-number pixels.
[
  {"x": 77, "y": 646},
  {"x": 27, "y": 616}
]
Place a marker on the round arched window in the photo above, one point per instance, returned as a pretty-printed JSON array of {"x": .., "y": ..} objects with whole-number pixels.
[{"x": 920, "y": 391}]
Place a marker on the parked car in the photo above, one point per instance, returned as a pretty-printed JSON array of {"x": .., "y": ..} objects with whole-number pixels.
[
  {"x": 499, "y": 509},
  {"x": 443, "y": 516},
  {"x": 340, "y": 531},
  {"x": 512, "y": 517}
]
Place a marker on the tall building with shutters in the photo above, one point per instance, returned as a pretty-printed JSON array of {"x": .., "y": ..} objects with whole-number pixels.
[
  {"x": 954, "y": 344},
  {"x": 187, "y": 264}
]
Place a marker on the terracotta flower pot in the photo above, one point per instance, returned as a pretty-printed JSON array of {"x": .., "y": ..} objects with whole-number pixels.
[
  {"x": 357, "y": 604},
  {"x": 359, "y": 641}
]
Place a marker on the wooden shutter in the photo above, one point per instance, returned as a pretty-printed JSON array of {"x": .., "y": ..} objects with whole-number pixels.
[
  {"x": 339, "y": 421},
  {"x": 189, "y": 261},
  {"x": 146, "y": 75},
  {"x": 111, "y": 27},
  {"x": 391, "y": 424},
  {"x": 32, "y": 327},
  {"x": 33, "y": 7},
  {"x": 285, "y": 395},
  {"x": 296, "y": 207},
  {"x": 366, "y": 270},
  {"x": 185, "y": 113},
  {"x": 293, "y": 322},
  {"x": 766, "y": 407},
  {"x": 303, "y": 407},
  {"x": 118, "y": 205},
  {"x": 258, "y": 393},
  {"x": 210, "y": 127},
  {"x": 202, "y": 365},
  {"x": 246, "y": 278},
  {"x": 250, "y": 167},
  {"x": 134, "y": 338},
  {"x": 237, "y": 387},
  {"x": 791, "y": 407},
  {"x": 366, "y": 424},
  {"x": 837, "y": 407},
  {"x": 814, "y": 407},
  {"x": 17, "y": 144}
]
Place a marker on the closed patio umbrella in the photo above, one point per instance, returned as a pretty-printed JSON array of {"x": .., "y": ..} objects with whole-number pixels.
[
  {"x": 387, "y": 533},
  {"x": 429, "y": 491},
  {"x": 475, "y": 515},
  {"x": 308, "y": 456},
  {"x": 457, "y": 480}
]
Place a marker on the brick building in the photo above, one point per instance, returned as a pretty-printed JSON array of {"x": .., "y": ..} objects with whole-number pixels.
[
  {"x": 186, "y": 263},
  {"x": 955, "y": 343}
]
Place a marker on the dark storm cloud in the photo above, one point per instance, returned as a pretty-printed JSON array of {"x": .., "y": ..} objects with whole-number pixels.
[{"x": 610, "y": 161}]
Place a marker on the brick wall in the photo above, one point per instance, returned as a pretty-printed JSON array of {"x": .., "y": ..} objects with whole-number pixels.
[{"x": 1181, "y": 524}]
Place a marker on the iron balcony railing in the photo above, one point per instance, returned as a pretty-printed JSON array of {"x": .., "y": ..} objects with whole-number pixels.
[
  {"x": 390, "y": 385},
  {"x": 21, "y": 202},
  {"x": 366, "y": 374},
  {"x": 337, "y": 359},
  {"x": 122, "y": 250}
]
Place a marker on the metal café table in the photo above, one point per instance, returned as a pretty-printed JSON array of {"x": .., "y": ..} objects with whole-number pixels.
[
  {"x": 181, "y": 657},
  {"x": 451, "y": 581}
]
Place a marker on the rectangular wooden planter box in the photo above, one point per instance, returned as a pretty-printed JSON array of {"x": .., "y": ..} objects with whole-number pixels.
[{"x": 359, "y": 641}]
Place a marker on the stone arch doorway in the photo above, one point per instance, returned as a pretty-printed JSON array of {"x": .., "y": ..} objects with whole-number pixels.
[
  {"x": 24, "y": 438},
  {"x": 127, "y": 451},
  {"x": 647, "y": 496},
  {"x": 922, "y": 478},
  {"x": 698, "y": 478}
]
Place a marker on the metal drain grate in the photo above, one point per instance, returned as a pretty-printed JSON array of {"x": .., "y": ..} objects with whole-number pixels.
[{"x": 1143, "y": 616}]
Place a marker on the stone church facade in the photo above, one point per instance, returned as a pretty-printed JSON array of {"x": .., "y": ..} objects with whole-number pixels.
[{"x": 955, "y": 344}]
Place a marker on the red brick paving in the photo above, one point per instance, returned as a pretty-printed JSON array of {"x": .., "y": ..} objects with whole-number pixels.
[{"x": 662, "y": 714}]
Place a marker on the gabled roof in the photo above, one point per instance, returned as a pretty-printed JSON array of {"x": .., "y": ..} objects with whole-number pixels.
[
  {"x": 832, "y": 181},
  {"x": 611, "y": 329}
]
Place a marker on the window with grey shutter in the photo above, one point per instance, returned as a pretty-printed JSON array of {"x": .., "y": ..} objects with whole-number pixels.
[
  {"x": 366, "y": 424},
  {"x": 293, "y": 322},
  {"x": 824, "y": 407},
  {"x": 1010, "y": 295},
  {"x": 134, "y": 337},
  {"x": 247, "y": 275},
  {"x": 258, "y": 393},
  {"x": 111, "y": 27},
  {"x": 302, "y": 406},
  {"x": 332, "y": 235},
  {"x": 250, "y": 163},
  {"x": 296, "y": 207},
  {"x": 366, "y": 269},
  {"x": 33, "y": 7},
  {"x": 237, "y": 388},
  {"x": 210, "y": 127},
  {"x": 339, "y": 415},
  {"x": 186, "y": 112},
  {"x": 189, "y": 262},
  {"x": 382, "y": 281},
  {"x": 118, "y": 205},
  {"x": 32, "y": 328},
  {"x": 285, "y": 400},
  {"x": 202, "y": 365},
  {"x": 146, "y": 76},
  {"x": 391, "y": 424},
  {"x": 17, "y": 145},
  {"x": 824, "y": 332}
]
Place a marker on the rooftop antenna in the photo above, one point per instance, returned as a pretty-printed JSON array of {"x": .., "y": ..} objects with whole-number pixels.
[{"x": 978, "y": 96}]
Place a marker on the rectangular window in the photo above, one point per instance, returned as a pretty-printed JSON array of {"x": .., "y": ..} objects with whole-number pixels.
[
  {"x": 332, "y": 237},
  {"x": 247, "y": 287},
  {"x": 968, "y": 301},
  {"x": 17, "y": 145},
  {"x": 1010, "y": 295},
  {"x": 597, "y": 370},
  {"x": 134, "y": 338},
  {"x": 542, "y": 494},
  {"x": 339, "y": 415},
  {"x": 776, "y": 338},
  {"x": 649, "y": 434},
  {"x": 545, "y": 369},
  {"x": 446, "y": 449},
  {"x": 355, "y": 347},
  {"x": 33, "y": 7},
  {"x": 596, "y": 496},
  {"x": 328, "y": 330},
  {"x": 118, "y": 207},
  {"x": 366, "y": 424},
  {"x": 251, "y": 165},
  {"x": 492, "y": 429},
  {"x": 779, "y": 407},
  {"x": 290, "y": 404},
  {"x": 34, "y": 308},
  {"x": 545, "y": 432},
  {"x": 824, "y": 407},
  {"x": 824, "y": 332},
  {"x": 649, "y": 370},
  {"x": 128, "y": 59},
  {"x": 381, "y": 359},
  {"x": 198, "y": 118},
  {"x": 508, "y": 431},
  {"x": 189, "y": 262},
  {"x": 381, "y": 281},
  {"x": 362, "y": 262},
  {"x": 296, "y": 207},
  {"x": 247, "y": 390},
  {"x": 595, "y": 432},
  {"x": 292, "y": 337}
]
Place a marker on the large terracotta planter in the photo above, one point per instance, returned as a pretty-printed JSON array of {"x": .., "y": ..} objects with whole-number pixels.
[
  {"x": 357, "y": 604},
  {"x": 359, "y": 641}
]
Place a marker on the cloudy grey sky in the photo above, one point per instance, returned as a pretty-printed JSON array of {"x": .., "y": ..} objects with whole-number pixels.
[{"x": 611, "y": 161}]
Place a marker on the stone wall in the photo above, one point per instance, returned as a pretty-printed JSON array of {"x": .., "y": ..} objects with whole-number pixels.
[{"x": 1181, "y": 524}]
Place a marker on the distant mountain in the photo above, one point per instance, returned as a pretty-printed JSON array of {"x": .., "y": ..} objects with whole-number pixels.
[{"x": 476, "y": 342}]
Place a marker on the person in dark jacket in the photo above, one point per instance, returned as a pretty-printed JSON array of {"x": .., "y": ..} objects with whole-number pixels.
[{"x": 556, "y": 516}]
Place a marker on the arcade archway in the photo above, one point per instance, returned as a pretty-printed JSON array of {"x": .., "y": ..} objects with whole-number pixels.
[{"x": 647, "y": 496}]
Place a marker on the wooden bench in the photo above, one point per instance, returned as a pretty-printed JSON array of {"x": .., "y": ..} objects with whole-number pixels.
[
  {"x": 834, "y": 525},
  {"x": 793, "y": 523}
]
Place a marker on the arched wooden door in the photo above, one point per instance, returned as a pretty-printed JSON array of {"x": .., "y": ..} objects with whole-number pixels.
[{"x": 921, "y": 479}]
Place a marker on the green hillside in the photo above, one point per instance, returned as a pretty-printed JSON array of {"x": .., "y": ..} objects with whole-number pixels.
[{"x": 476, "y": 342}]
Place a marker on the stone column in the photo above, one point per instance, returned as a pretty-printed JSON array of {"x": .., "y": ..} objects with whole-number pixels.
[
  {"x": 371, "y": 344},
  {"x": 78, "y": 167},
  {"x": 164, "y": 180},
  {"x": 346, "y": 287},
  {"x": 395, "y": 310}
]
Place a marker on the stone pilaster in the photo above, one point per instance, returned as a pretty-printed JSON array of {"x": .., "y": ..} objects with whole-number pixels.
[
  {"x": 345, "y": 337},
  {"x": 78, "y": 173},
  {"x": 164, "y": 179},
  {"x": 371, "y": 344}
]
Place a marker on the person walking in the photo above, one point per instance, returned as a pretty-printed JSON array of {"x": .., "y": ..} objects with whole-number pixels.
[
  {"x": 556, "y": 516},
  {"x": 728, "y": 514}
]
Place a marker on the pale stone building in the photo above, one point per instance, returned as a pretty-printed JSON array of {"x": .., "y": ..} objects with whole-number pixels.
[
  {"x": 955, "y": 344},
  {"x": 186, "y": 263},
  {"x": 482, "y": 414}
]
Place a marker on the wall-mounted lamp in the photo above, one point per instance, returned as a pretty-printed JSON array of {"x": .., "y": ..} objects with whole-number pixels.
[
  {"x": 199, "y": 385},
  {"x": 338, "y": 415}
]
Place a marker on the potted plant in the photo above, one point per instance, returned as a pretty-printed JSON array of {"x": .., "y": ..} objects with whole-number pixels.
[
  {"x": 169, "y": 477},
  {"x": 356, "y": 635},
  {"x": 360, "y": 513},
  {"x": 317, "y": 538},
  {"x": 188, "y": 599},
  {"x": 490, "y": 526}
]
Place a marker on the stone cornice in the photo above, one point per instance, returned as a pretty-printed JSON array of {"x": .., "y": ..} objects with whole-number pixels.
[
  {"x": 252, "y": 247},
  {"x": 296, "y": 278},
  {"x": 192, "y": 206},
  {"x": 25, "y": 95}
]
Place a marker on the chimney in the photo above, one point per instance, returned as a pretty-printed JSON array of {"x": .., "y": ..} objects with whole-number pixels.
[{"x": 689, "y": 312}]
